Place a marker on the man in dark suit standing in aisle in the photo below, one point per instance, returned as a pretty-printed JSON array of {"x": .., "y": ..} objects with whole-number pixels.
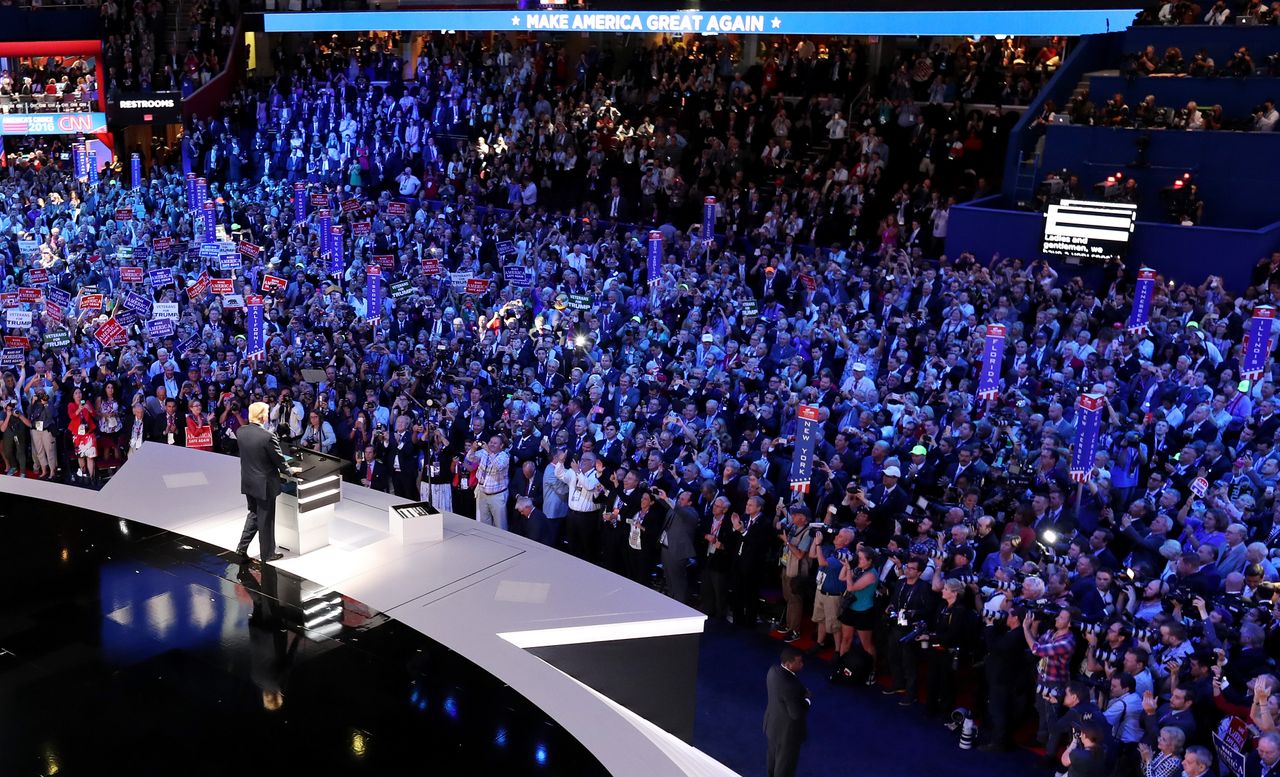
[
  {"x": 677, "y": 545},
  {"x": 786, "y": 717},
  {"x": 260, "y": 461}
]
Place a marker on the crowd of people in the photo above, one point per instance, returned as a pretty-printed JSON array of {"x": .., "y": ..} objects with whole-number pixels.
[
  {"x": 523, "y": 360},
  {"x": 36, "y": 83},
  {"x": 1216, "y": 14},
  {"x": 143, "y": 54}
]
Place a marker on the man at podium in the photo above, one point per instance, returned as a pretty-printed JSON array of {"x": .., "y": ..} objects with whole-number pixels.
[{"x": 261, "y": 460}]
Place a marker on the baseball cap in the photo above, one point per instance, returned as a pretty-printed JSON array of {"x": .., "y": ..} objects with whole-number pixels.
[
  {"x": 919, "y": 450},
  {"x": 892, "y": 472},
  {"x": 859, "y": 367}
]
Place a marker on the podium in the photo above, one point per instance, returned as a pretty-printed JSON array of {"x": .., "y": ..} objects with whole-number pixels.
[{"x": 305, "y": 506}]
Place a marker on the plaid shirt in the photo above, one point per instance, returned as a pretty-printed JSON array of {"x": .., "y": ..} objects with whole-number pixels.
[
  {"x": 492, "y": 471},
  {"x": 1055, "y": 658}
]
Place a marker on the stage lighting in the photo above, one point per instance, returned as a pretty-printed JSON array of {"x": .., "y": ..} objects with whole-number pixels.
[
  {"x": 540, "y": 755},
  {"x": 580, "y": 341}
]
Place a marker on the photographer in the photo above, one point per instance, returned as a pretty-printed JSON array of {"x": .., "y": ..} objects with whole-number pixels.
[
  {"x": 1123, "y": 712},
  {"x": 1049, "y": 637},
  {"x": 797, "y": 538},
  {"x": 13, "y": 431},
  {"x": 1087, "y": 754},
  {"x": 910, "y": 604},
  {"x": 1006, "y": 669},
  {"x": 949, "y": 646},
  {"x": 44, "y": 424},
  {"x": 857, "y": 613}
]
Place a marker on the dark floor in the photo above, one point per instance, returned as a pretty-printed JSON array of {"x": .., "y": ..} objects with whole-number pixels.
[
  {"x": 127, "y": 650},
  {"x": 852, "y": 730}
]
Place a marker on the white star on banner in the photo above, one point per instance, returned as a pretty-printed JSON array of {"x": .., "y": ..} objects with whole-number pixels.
[
  {"x": 515, "y": 21},
  {"x": 776, "y": 22}
]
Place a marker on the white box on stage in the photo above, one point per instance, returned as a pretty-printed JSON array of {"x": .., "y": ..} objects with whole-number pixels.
[
  {"x": 301, "y": 532},
  {"x": 416, "y": 522}
]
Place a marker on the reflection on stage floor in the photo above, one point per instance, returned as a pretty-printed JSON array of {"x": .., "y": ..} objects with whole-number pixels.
[{"x": 130, "y": 650}]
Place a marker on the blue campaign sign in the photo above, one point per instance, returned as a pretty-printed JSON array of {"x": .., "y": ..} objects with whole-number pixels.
[
  {"x": 57, "y": 296},
  {"x": 137, "y": 303},
  {"x": 517, "y": 275},
  {"x": 160, "y": 276},
  {"x": 160, "y": 327},
  {"x": 911, "y": 23}
]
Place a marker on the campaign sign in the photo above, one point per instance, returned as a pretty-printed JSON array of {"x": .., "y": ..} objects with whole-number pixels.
[
  {"x": 38, "y": 276},
  {"x": 57, "y": 338},
  {"x": 579, "y": 302},
  {"x": 229, "y": 262},
  {"x": 53, "y": 311},
  {"x": 186, "y": 346},
  {"x": 124, "y": 214},
  {"x": 17, "y": 319},
  {"x": 124, "y": 252},
  {"x": 29, "y": 294},
  {"x": 361, "y": 228},
  {"x": 319, "y": 201},
  {"x": 127, "y": 318},
  {"x": 111, "y": 334},
  {"x": 386, "y": 261},
  {"x": 200, "y": 437},
  {"x": 161, "y": 244},
  {"x": 161, "y": 327},
  {"x": 401, "y": 289},
  {"x": 350, "y": 205},
  {"x": 250, "y": 250},
  {"x": 458, "y": 280},
  {"x": 28, "y": 246},
  {"x": 91, "y": 302},
  {"x": 137, "y": 303},
  {"x": 131, "y": 275},
  {"x": 750, "y": 307},
  {"x": 222, "y": 285},
  {"x": 506, "y": 248},
  {"x": 17, "y": 341},
  {"x": 431, "y": 266},
  {"x": 209, "y": 252},
  {"x": 160, "y": 276},
  {"x": 517, "y": 275},
  {"x": 810, "y": 282},
  {"x": 11, "y": 357},
  {"x": 9, "y": 299},
  {"x": 273, "y": 283},
  {"x": 477, "y": 285},
  {"x": 397, "y": 208},
  {"x": 165, "y": 310},
  {"x": 200, "y": 288}
]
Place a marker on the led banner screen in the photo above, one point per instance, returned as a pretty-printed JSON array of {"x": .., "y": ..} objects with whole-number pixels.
[
  {"x": 1081, "y": 21},
  {"x": 21, "y": 124}
]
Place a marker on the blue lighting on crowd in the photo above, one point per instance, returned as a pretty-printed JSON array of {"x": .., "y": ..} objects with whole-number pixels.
[
  {"x": 451, "y": 706},
  {"x": 500, "y": 737},
  {"x": 540, "y": 755}
]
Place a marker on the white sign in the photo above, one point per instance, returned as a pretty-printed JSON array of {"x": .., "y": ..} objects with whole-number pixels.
[
  {"x": 165, "y": 310},
  {"x": 233, "y": 301},
  {"x": 17, "y": 319}
]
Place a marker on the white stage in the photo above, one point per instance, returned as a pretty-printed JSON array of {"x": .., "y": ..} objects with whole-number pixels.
[{"x": 484, "y": 593}]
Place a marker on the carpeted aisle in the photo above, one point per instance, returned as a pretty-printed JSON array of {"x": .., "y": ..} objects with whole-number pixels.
[{"x": 852, "y": 730}]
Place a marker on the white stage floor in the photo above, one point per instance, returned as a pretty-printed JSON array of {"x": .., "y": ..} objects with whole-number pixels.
[{"x": 484, "y": 593}]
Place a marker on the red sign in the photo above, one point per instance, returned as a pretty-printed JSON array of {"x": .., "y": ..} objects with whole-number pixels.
[
  {"x": 397, "y": 208},
  {"x": 17, "y": 341},
  {"x": 223, "y": 285},
  {"x": 111, "y": 334},
  {"x": 477, "y": 285},
  {"x": 361, "y": 228},
  {"x": 161, "y": 244},
  {"x": 253, "y": 299},
  {"x": 272, "y": 283},
  {"x": 29, "y": 294},
  {"x": 808, "y": 413},
  {"x": 38, "y": 275},
  {"x": 131, "y": 275},
  {"x": 200, "y": 288},
  {"x": 319, "y": 200},
  {"x": 810, "y": 282},
  {"x": 350, "y": 205},
  {"x": 91, "y": 302},
  {"x": 431, "y": 266},
  {"x": 54, "y": 312},
  {"x": 200, "y": 437},
  {"x": 124, "y": 214},
  {"x": 9, "y": 299},
  {"x": 385, "y": 261},
  {"x": 250, "y": 250}
]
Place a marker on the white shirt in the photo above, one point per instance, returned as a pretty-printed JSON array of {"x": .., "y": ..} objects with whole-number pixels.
[{"x": 582, "y": 488}]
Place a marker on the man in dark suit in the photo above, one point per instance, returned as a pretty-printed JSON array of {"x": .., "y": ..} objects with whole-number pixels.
[
  {"x": 786, "y": 716},
  {"x": 369, "y": 471},
  {"x": 676, "y": 542},
  {"x": 260, "y": 461},
  {"x": 537, "y": 526},
  {"x": 1264, "y": 759}
]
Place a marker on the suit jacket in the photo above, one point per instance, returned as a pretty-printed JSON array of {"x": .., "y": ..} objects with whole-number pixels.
[
  {"x": 378, "y": 480},
  {"x": 680, "y": 525},
  {"x": 260, "y": 461},
  {"x": 786, "y": 716}
]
